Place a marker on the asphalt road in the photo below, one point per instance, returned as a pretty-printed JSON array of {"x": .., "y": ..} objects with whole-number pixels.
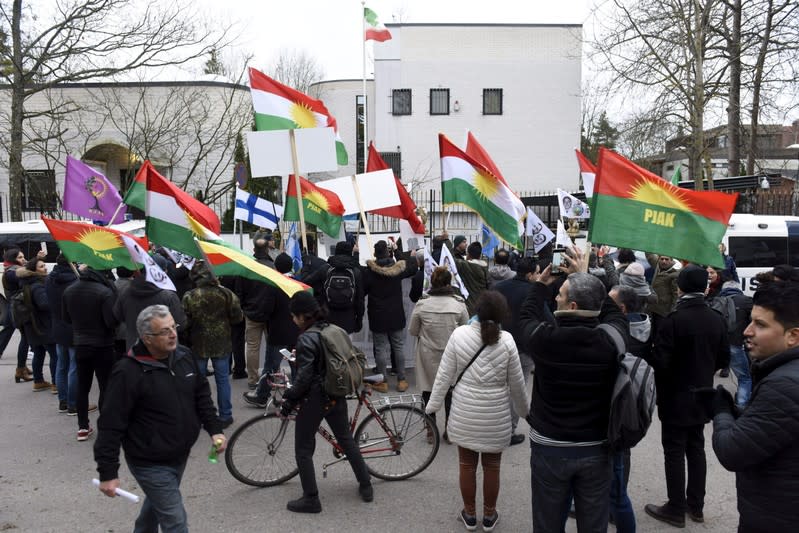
[{"x": 45, "y": 483}]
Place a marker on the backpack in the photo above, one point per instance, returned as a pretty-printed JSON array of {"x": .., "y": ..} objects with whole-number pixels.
[
  {"x": 632, "y": 402},
  {"x": 22, "y": 309},
  {"x": 340, "y": 287},
  {"x": 725, "y": 305},
  {"x": 344, "y": 363}
]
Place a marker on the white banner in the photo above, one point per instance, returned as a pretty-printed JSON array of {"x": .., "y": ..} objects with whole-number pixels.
[
  {"x": 539, "y": 231},
  {"x": 571, "y": 207},
  {"x": 448, "y": 261},
  {"x": 154, "y": 274}
]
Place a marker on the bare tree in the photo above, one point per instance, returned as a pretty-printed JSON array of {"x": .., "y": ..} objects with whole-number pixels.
[
  {"x": 78, "y": 40},
  {"x": 297, "y": 69}
]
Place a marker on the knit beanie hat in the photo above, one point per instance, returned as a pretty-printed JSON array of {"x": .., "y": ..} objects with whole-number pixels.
[
  {"x": 303, "y": 303},
  {"x": 343, "y": 248},
  {"x": 283, "y": 263},
  {"x": 692, "y": 279},
  {"x": 381, "y": 249},
  {"x": 458, "y": 239},
  {"x": 634, "y": 269}
]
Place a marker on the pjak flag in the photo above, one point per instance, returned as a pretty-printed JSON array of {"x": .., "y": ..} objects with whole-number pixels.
[
  {"x": 539, "y": 231},
  {"x": 99, "y": 247},
  {"x": 321, "y": 207},
  {"x": 571, "y": 207},
  {"x": 89, "y": 194},
  {"x": 587, "y": 172},
  {"x": 634, "y": 208},
  {"x": 255, "y": 210}
]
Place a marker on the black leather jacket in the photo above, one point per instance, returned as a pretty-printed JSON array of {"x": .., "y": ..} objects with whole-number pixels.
[{"x": 310, "y": 365}]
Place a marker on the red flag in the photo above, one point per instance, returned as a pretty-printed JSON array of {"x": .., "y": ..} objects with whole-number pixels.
[
  {"x": 588, "y": 173},
  {"x": 407, "y": 208},
  {"x": 479, "y": 154}
]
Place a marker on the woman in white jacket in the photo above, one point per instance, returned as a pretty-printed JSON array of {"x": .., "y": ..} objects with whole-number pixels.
[{"x": 479, "y": 422}]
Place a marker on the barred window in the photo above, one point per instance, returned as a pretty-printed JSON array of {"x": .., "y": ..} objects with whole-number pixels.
[
  {"x": 394, "y": 160},
  {"x": 38, "y": 190},
  {"x": 401, "y": 102},
  {"x": 492, "y": 101},
  {"x": 439, "y": 101}
]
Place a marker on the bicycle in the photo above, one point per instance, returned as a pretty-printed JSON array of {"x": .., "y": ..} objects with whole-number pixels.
[{"x": 396, "y": 438}]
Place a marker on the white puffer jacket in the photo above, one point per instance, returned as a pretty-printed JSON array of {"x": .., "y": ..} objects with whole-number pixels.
[{"x": 480, "y": 416}]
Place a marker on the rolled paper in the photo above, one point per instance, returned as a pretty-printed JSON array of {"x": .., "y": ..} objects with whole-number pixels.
[{"x": 119, "y": 492}]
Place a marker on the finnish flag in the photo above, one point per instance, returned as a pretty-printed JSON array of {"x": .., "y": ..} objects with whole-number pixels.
[{"x": 255, "y": 210}]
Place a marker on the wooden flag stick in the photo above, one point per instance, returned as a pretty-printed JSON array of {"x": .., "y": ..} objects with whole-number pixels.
[
  {"x": 363, "y": 215},
  {"x": 300, "y": 207},
  {"x": 119, "y": 208}
]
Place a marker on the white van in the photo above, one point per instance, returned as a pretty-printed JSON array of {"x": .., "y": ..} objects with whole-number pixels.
[{"x": 759, "y": 242}]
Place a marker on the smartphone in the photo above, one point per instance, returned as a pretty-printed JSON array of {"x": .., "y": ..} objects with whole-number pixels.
[
  {"x": 43, "y": 246},
  {"x": 286, "y": 354},
  {"x": 557, "y": 260}
]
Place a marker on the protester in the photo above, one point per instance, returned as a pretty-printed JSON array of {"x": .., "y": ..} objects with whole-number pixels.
[
  {"x": 156, "y": 403},
  {"x": 459, "y": 245},
  {"x": 211, "y": 310},
  {"x": 434, "y": 318},
  {"x": 713, "y": 282},
  {"x": 343, "y": 289},
  {"x": 139, "y": 295},
  {"x": 664, "y": 284},
  {"x": 474, "y": 274},
  {"x": 633, "y": 277},
  {"x": 481, "y": 363},
  {"x": 762, "y": 444},
  {"x": 690, "y": 345},
  {"x": 121, "y": 284},
  {"x": 739, "y": 360},
  {"x": 501, "y": 270},
  {"x": 575, "y": 369},
  {"x": 38, "y": 330},
  {"x": 62, "y": 276},
  {"x": 315, "y": 404},
  {"x": 13, "y": 258}
]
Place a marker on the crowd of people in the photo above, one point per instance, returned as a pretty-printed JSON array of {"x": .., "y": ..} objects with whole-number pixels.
[{"x": 524, "y": 318}]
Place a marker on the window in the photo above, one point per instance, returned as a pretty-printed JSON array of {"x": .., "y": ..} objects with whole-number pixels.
[
  {"x": 394, "y": 160},
  {"x": 763, "y": 252},
  {"x": 492, "y": 101},
  {"x": 38, "y": 190},
  {"x": 401, "y": 102},
  {"x": 439, "y": 101}
]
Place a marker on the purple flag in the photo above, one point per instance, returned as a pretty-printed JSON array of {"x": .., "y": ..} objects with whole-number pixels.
[{"x": 89, "y": 194}]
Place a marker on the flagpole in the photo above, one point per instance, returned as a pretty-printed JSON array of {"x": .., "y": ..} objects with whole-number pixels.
[
  {"x": 298, "y": 190},
  {"x": 119, "y": 208},
  {"x": 365, "y": 112},
  {"x": 363, "y": 214}
]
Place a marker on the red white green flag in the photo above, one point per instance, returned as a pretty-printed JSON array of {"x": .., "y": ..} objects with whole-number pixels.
[
  {"x": 407, "y": 208},
  {"x": 171, "y": 214},
  {"x": 137, "y": 191},
  {"x": 279, "y": 107},
  {"x": 374, "y": 31},
  {"x": 634, "y": 208},
  {"x": 467, "y": 182},
  {"x": 97, "y": 246},
  {"x": 587, "y": 172},
  {"x": 321, "y": 207}
]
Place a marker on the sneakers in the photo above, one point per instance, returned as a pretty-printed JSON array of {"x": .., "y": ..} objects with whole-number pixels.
[
  {"x": 306, "y": 504},
  {"x": 665, "y": 513},
  {"x": 402, "y": 385},
  {"x": 83, "y": 434},
  {"x": 469, "y": 521},
  {"x": 489, "y": 523},
  {"x": 253, "y": 399},
  {"x": 366, "y": 492},
  {"x": 42, "y": 385},
  {"x": 62, "y": 407},
  {"x": 380, "y": 387},
  {"x": 73, "y": 411}
]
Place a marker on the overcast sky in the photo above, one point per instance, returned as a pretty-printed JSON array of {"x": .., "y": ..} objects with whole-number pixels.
[{"x": 331, "y": 30}]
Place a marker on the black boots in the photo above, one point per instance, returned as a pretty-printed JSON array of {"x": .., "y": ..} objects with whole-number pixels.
[
  {"x": 306, "y": 504},
  {"x": 366, "y": 492}
]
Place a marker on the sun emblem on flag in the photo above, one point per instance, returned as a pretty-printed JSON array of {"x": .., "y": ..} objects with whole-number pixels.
[
  {"x": 302, "y": 115},
  {"x": 99, "y": 240},
  {"x": 485, "y": 183},
  {"x": 660, "y": 193},
  {"x": 315, "y": 197}
]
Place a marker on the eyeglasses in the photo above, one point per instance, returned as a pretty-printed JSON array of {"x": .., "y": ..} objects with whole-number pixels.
[{"x": 166, "y": 331}]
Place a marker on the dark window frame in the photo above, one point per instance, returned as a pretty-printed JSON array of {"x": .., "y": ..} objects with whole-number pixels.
[
  {"x": 438, "y": 92},
  {"x": 39, "y": 191},
  {"x": 401, "y": 106},
  {"x": 488, "y": 93}
]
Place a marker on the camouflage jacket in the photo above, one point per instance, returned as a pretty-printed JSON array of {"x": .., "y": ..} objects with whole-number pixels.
[{"x": 210, "y": 310}]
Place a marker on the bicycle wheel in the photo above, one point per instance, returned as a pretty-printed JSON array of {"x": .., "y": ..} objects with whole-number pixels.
[
  {"x": 416, "y": 438},
  {"x": 261, "y": 452}
]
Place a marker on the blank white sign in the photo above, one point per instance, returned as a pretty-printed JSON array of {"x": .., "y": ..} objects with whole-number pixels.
[
  {"x": 378, "y": 190},
  {"x": 270, "y": 151}
]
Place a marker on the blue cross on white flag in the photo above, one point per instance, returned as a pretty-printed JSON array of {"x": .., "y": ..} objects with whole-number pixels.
[{"x": 255, "y": 210}]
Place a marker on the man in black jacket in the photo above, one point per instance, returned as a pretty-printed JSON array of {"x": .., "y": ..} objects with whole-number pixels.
[
  {"x": 139, "y": 295},
  {"x": 762, "y": 445},
  {"x": 690, "y": 345},
  {"x": 576, "y": 364},
  {"x": 343, "y": 289},
  {"x": 156, "y": 402}
]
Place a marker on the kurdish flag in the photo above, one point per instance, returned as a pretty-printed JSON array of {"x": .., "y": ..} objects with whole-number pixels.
[
  {"x": 467, "y": 182},
  {"x": 226, "y": 260},
  {"x": 172, "y": 215},
  {"x": 374, "y": 30},
  {"x": 97, "y": 246},
  {"x": 634, "y": 208},
  {"x": 278, "y": 107},
  {"x": 322, "y": 208}
]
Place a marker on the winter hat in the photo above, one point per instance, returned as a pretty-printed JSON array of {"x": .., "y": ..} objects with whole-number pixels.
[
  {"x": 458, "y": 240},
  {"x": 381, "y": 249},
  {"x": 633, "y": 276},
  {"x": 343, "y": 248},
  {"x": 634, "y": 269},
  {"x": 303, "y": 303},
  {"x": 283, "y": 263},
  {"x": 692, "y": 279}
]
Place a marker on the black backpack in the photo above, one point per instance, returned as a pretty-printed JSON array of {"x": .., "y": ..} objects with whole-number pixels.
[
  {"x": 22, "y": 309},
  {"x": 340, "y": 288},
  {"x": 725, "y": 305},
  {"x": 633, "y": 400}
]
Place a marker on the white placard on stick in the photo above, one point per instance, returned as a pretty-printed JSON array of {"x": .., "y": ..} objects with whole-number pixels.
[
  {"x": 378, "y": 189},
  {"x": 270, "y": 151}
]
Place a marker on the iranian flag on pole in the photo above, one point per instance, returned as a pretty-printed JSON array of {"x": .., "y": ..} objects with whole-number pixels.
[
  {"x": 171, "y": 214},
  {"x": 97, "y": 246},
  {"x": 279, "y": 107},
  {"x": 467, "y": 182},
  {"x": 634, "y": 208},
  {"x": 374, "y": 30},
  {"x": 322, "y": 208},
  {"x": 587, "y": 172}
]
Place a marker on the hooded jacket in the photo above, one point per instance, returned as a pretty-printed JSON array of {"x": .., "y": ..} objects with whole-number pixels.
[
  {"x": 639, "y": 342},
  {"x": 383, "y": 284},
  {"x": 499, "y": 273},
  {"x": 39, "y": 334},
  {"x": 154, "y": 409},
  {"x": 88, "y": 306},
  {"x": 139, "y": 295},
  {"x": 474, "y": 273},
  {"x": 349, "y": 319},
  {"x": 56, "y": 283},
  {"x": 210, "y": 311}
]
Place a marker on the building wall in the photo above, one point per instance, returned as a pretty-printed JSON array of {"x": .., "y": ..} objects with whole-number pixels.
[{"x": 538, "y": 69}]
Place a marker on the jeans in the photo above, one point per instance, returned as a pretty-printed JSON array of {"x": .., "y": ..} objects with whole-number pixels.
[
  {"x": 253, "y": 333},
  {"x": 385, "y": 344},
  {"x": 163, "y": 504},
  {"x": 91, "y": 361},
  {"x": 222, "y": 378},
  {"x": 38, "y": 362},
  {"x": 620, "y": 506},
  {"x": 739, "y": 364},
  {"x": 308, "y": 419},
  {"x": 681, "y": 443},
  {"x": 558, "y": 473},
  {"x": 67, "y": 375}
]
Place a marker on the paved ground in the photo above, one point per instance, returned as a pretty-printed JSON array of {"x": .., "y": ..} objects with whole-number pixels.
[{"x": 45, "y": 483}]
